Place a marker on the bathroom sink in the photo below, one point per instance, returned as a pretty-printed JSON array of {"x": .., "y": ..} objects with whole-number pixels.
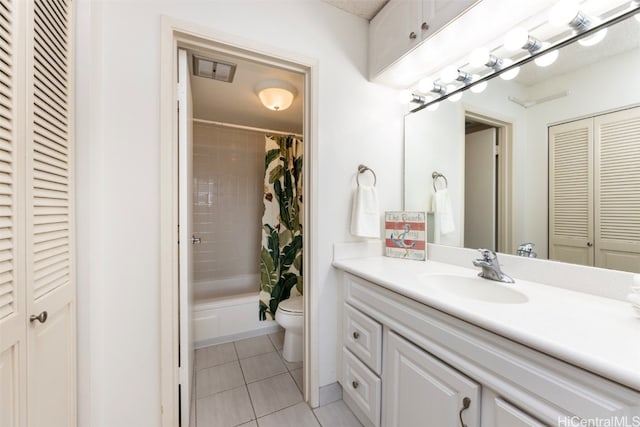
[{"x": 475, "y": 288}]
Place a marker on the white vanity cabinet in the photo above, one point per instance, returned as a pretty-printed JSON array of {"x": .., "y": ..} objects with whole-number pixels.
[
  {"x": 403, "y": 24},
  {"x": 432, "y": 361},
  {"x": 418, "y": 387}
]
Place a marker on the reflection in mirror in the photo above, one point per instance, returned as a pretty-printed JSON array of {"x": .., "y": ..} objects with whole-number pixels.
[{"x": 495, "y": 149}]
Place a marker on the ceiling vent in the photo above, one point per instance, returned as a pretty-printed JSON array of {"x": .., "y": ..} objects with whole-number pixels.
[{"x": 213, "y": 69}]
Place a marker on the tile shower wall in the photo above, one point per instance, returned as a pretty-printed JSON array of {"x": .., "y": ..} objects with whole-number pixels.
[{"x": 228, "y": 168}]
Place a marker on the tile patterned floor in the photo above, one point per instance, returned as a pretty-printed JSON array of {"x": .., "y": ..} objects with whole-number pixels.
[{"x": 248, "y": 383}]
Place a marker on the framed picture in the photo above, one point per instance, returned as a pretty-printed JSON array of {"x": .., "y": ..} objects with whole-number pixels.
[{"x": 405, "y": 235}]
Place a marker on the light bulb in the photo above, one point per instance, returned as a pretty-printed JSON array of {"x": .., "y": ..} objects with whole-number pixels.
[
  {"x": 425, "y": 85},
  {"x": 516, "y": 39},
  {"x": 449, "y": 74},
  {"x": 511, "y": 74},
  {"x": 433, "y": 107},
  {"x": 405, "y": 96},
  {"x": 595, "y": 38},
  {"x": 479, "y": 57},
  {"x": 548, "y": 58},
  {"x": 455, "y": 97},
  {"x": 480, "y": 87},
  {"x": 563, "y": 12}
]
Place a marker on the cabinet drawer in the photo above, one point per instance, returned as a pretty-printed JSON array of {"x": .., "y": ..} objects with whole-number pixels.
[
  {"x": 363, "y": 336},
  {"x": 362, "y": 386}
]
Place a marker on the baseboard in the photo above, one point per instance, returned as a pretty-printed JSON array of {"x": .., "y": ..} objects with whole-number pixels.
[{"x": 330, "y": 393}]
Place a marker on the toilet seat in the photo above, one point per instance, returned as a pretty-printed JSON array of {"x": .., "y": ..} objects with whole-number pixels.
[{"x": 291, "y": 306}]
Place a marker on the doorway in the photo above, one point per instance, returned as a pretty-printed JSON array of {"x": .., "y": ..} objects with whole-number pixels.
[
  {"x": 488, "y": 186},
  {"x": 180, "y": 35}
]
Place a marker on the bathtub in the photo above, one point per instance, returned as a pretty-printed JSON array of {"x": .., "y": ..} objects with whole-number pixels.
[{"x": 221, "y": 314}]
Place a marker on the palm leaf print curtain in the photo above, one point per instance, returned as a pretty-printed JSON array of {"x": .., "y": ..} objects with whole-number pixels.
[{"x": 281, "y": 255}]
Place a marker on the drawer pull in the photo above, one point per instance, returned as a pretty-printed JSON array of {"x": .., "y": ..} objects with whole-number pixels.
[
  {"x": 355, "y": 384},
  {"x": 424, "y": 26},
  {"x": 466, "y": 402},
  {"x": 413, "y": 35},
  {"x": 356, "y": 335}
]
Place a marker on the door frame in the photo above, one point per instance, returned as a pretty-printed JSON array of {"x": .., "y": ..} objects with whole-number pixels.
[
  {"x": 176, "y": 33},
  {"x": 505, "y": 133}
]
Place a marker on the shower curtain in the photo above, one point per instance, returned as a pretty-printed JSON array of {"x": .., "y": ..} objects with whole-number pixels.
[{"x": 281, "y": 255}]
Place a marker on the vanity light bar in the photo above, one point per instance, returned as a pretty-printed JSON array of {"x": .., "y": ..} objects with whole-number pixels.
[{"x": 502, "y": 66}]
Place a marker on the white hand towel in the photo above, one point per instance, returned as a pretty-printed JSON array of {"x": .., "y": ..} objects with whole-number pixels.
[
  {"x": 365, "y": 215},
  {"x": 444, "y": 211}
]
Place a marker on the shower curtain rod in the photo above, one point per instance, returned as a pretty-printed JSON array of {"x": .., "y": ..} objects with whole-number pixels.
[{"x": 230, "y": 125}]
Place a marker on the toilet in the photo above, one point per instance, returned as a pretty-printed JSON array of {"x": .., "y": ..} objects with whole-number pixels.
[{"x": 289, "y": 315}]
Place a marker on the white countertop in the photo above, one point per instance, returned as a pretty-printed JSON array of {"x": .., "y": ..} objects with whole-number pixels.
[{"x": 597, "y": 334}]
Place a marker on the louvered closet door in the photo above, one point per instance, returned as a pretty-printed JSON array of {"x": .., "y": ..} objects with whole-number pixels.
[
  {"x": 12, "y": 297},
  {"x": 50, "y": 253},
  {"x": 570, "y": 192},
  {"x": 617, "y": 191}
]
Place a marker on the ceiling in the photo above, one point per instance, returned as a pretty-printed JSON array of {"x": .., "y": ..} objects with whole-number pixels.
[
  {"x": 238, "y": 103},
  {"x": 366, "y": 9}
]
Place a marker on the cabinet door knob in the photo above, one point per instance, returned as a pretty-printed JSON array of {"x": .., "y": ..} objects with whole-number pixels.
[
  {"x": 424, "y": 26},
  {"x": 413, "y": 35},
  {"x": 356, "y": 335},
  {"x": 466, "y": 402},
  {"x": 355, "y": 384},
  {"x": 42, "y": 317},
  {"x": 589, "y": 244}
]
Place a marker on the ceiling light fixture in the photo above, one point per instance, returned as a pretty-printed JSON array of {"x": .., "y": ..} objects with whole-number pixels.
[
  {"x": 512, "y": 73},
  {"x": 482, "y": 57},
  {"x": 478, "y": 87},
  {"x": 406, "y": 97},
  {"x": 548, "y": 58},
  {"x": 451, "y": 74},
  {"x": 427, "y": 85},
  {"x": 567, "y": 12},
  {"x": 519, "y": 38},
  {"x": 276, "y": 95}
]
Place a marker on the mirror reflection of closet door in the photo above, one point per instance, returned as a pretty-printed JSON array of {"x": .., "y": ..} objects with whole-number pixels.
[
  {"x": 571, "y": 192},
  {"x": 594, "y": 191},
  {"x": 480, "y": 190},
  {"x": 617, "y": 190}
]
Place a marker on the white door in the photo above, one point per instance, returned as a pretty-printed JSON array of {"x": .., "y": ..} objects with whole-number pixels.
[
  {"x": 480, "y": 190},
  {"x": 617, "y": 190},
  {"x": 571, "y": 192},
  {"x": 421, "y": 390},
  {"x": 13, "y": 318},
  {"x": 50, "y": 270},
  {"x": 185, "y": 221}
]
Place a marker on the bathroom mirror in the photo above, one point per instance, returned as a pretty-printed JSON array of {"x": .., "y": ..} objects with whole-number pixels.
[{"x": 505, "y": 200}]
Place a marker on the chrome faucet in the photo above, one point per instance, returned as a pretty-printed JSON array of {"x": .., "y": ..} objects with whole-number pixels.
[
  {"x": 526, "y": 250},
  {"x": 491, "y": 267}
]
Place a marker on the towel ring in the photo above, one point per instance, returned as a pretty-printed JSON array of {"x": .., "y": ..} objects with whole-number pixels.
[
  {"x": 363, "y": 169},
  {"x": 435, "y": 176}
]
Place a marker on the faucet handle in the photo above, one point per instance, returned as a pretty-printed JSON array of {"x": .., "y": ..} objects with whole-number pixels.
[
  {"x": 487, "y": 254},
  {"x": 526, "y": 247}
]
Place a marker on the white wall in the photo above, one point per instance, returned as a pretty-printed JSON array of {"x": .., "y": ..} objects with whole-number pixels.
[
  {"x": 118, "y": 175},
  {"x": 434, "y": 141}
]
